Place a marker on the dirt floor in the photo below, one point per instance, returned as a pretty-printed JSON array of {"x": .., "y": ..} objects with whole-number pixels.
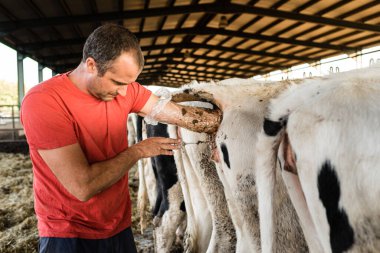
[
  {"x": 144, "y": 242},
  {"x": 18, "y": 232}
]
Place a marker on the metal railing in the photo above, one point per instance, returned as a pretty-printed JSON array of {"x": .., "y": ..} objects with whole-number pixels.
[{"x": 11, "y": 129}]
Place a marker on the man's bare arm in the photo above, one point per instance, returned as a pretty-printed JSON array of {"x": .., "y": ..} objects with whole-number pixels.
[
  {"x": 193, "y": 118},
  {"x": 84, "y": 180}
]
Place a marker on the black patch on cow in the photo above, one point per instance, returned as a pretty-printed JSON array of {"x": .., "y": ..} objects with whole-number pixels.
[
  {"x": 139, "y": 123},
  {"x": 272, "y": 128},
  {"x": 160, "y": 196},
  {"x": 182, "y": 207},
  {"x": 164, "y": 169},
  {"x": 183, "y": 111},
  {"x": 226, "y": 158},
  {"x": 341, "y": 232}
]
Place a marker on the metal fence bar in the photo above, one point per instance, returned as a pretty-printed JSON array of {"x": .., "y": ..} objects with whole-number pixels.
[
  {"x": 13, "y": 123},
  {"x": 10, "y": 127}
]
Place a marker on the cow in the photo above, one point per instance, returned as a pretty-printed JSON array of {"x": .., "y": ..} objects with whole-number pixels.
[
  {"x": 147, "y": 191},
  {"x": 325, "y": 133},
  {"x": 167, "y": 204},
  {"x": 209, "y": 225},
  {"x": 244, "y": 103},
  {"x": 169, "y": 211}
]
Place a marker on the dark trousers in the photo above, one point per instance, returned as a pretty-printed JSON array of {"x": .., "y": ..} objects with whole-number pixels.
[{"x": 122, "y": 242}]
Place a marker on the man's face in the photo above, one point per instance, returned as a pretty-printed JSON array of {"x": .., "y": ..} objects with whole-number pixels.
[{"x": 123, "y": 71}]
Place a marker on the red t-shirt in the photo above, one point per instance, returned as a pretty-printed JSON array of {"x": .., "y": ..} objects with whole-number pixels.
[{"x": 56, "y": 113}]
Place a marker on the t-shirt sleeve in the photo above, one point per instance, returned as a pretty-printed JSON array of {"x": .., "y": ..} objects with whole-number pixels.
[
  {"x": 140, "y": 96},
  {"x": 46, "y": 123}
]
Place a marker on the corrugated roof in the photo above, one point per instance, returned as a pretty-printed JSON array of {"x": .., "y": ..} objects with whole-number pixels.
[{"x": 199, "y": 39}]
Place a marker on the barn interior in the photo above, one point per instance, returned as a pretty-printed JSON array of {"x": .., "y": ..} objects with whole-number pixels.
[{"x": 182, "y": 40}]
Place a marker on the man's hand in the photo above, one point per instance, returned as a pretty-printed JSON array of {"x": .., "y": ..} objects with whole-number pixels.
[{"x": 156, "y": 146}]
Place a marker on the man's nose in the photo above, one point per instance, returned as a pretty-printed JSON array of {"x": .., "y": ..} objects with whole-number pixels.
[{"x": 122, "y": 90}]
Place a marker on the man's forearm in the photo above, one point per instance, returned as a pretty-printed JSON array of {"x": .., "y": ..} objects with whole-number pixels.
[
  {"x": 200, "y": 119},
  {"x": 193, "y": 118},
  {"x": 103, "y": 175}
]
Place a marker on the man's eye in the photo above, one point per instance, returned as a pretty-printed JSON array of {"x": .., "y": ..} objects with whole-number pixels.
[{"x": 118, "y": 83}]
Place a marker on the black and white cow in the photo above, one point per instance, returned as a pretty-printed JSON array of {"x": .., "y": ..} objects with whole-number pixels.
[
  {"x": 325, "y": 132},
  {"x": 244, "y": 104},
  {"x": 167, "y": 205},
  {"x": 209, "y": 225},
  {"x": 319, "y": 141},
  {"x": 147, "y": 191},
  {"x": 169, "y": 211}
]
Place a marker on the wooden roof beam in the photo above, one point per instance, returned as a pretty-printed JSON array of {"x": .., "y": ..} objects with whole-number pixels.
[
  {"x": 53, "y": 58},
  {"x": 170, "y": 63},
  {"x": 193, "y": 31},
  {"x": 187, "y": 64},
  {"x": 64, "y": 68},
  {"x": 8, "y": 26},
  {"x": 224, "y": 49},
  {"x": 169, "y": 69}
]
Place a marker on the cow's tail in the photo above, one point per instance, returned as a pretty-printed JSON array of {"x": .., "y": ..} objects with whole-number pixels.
[
  {"x": 190, "y": 235},
  {"x": 142, "y": 197},
  {"x": 267, "y": 147}
]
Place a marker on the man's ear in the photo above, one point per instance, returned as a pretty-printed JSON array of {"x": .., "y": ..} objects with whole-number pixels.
[{"x": 91, "y": 65}]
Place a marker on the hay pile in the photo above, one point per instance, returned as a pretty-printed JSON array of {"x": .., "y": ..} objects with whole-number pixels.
[
  {"x": 18, "y": 225},
  {"x": 18, "y": 232}
]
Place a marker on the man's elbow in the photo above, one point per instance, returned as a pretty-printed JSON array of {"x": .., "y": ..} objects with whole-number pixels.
[
  {"x": 81, "y": 191},
  {"x": 82, "y": 196}
]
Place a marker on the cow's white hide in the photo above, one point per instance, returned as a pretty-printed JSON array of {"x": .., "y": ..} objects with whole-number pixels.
[
  {"x": 147, "y": 191},
  {"x": 337, "y": 120},
  {"x": 165, "y": 233},
  {"x": 200, "y": 173},
  {"x": 199, "y": 226},
  {"x": 244, "y": 103}
]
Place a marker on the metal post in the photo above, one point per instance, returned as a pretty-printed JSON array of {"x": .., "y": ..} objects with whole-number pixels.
[
  {"x": 13, "y": 124},
  {"x": 20, "y": 77},
  {"x": 40, "y": 75}
]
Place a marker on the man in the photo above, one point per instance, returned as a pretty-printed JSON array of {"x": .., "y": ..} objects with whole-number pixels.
[{"x": 75, "y": 125}]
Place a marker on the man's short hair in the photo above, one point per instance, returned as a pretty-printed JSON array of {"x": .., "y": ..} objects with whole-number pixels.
[{"x": 108, "y": 42}]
